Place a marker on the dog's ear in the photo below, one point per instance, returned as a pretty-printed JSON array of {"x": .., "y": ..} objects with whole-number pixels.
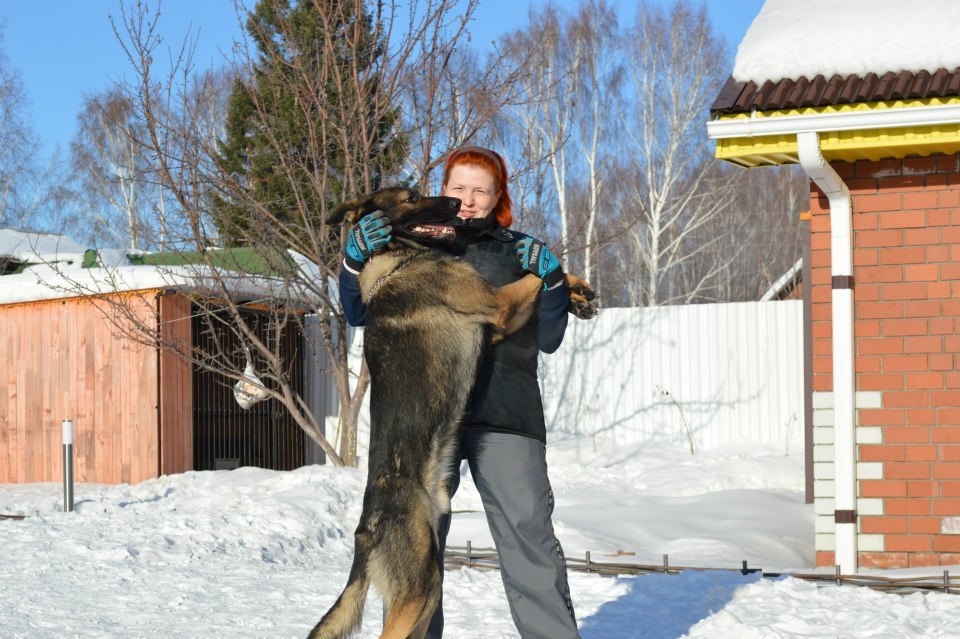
[{"x": 348, "y": 212}]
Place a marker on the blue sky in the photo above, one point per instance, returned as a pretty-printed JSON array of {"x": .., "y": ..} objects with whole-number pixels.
[{"x": 66, "y": 49}]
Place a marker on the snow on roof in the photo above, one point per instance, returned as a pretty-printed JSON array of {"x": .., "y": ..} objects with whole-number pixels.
[
  {"x": 56, "y": 271},
  {"x": 49, "y": 282},
  {"x": 793, "y": 38},
  {"x": 34, "y": 247}
]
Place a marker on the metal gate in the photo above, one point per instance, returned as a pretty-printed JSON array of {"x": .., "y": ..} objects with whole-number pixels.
[{"x": 227, "y": 436}]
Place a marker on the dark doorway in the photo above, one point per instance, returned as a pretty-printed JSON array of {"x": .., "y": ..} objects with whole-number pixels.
[{"x": 227, "y": 436}]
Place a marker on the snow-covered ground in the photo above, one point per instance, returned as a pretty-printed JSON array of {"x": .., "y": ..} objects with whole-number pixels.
[{"x": 256, "y": 553}]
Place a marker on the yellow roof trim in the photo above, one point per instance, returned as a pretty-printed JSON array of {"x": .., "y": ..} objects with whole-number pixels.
[{"x": 847, "y": 146}]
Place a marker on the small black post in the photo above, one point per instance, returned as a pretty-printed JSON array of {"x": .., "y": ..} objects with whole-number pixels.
[
  {"x": 946, "y": 581},
  {"x": 666, "y": 563},
  {"x": 588, "y": 561},
  {"x": 469, "y": 551},
  {"x": 839, "y": 581},
  {"x": 67, "y": 465}
]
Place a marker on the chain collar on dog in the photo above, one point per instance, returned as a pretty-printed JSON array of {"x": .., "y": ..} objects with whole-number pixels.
[{"x": 383, "y": 278}]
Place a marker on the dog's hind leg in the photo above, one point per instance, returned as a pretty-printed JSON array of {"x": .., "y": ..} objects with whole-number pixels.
[
  {"x": 411, "y": 584},
  {"x": 408, "y": 619}
]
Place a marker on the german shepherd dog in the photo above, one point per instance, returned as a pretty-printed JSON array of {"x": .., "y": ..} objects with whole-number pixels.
[{"x": 429, "y": 317}]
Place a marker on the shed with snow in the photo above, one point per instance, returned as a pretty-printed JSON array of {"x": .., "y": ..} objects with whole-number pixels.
[
  {"x": 70, "y": 348},
  {"x": 865, "y": 95}
]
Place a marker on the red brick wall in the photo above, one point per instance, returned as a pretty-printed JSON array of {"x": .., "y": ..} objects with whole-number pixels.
[{"x": 906, "y": 221}]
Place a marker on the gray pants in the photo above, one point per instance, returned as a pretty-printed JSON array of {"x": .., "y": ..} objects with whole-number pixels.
[{"x": 510, "y": 472}]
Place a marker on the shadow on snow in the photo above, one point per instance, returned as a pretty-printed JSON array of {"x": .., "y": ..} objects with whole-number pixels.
[{"x": 660, "y": 606}]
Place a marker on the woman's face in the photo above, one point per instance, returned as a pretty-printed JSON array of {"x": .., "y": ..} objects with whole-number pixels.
[{"x": 475, "y": 187}]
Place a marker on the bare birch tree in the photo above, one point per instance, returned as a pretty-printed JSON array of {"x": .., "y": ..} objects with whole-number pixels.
[
  {"x": 560, "y": 131},
  {"x": 542, "y": 122},
  {"x": 629, "y": 187},
  {"x": 108, "y": 165},
  {"x": 596, "y": 100},
  {"x": 453, "y": 94},
  {"x": 672, "y": 193}
]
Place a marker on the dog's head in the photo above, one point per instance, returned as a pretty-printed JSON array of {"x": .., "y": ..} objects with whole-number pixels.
[{"x": 421, "y": 218}]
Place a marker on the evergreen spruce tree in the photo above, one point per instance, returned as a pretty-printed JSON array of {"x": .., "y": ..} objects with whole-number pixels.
[{"x": 266, "y": 117}]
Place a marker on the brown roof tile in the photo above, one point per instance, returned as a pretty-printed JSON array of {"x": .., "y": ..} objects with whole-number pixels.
[{"x": 743, "y": 97}]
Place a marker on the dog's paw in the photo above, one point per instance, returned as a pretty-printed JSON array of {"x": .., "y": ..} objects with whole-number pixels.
[
  {"x": 582, "y": 296},
  {"x": 582, "y": 292},
  {"x": 582, "y": 309}
]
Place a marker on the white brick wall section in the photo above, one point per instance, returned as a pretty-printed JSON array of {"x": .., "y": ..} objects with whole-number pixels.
[
  {"x": 869, "y": 470},
  {"x": 823, "y": 435},
  {"x": 824, "y": 524},
  {"x": 823, "y": 417},
  {"x": 950, "y": 526},
  {"x": 824, "y": 506},
  {"x": 870, "y": 543},
  {"x": 868, "y": 399},
  {"x": 823, "y": 488},
  {"x": 869, "y": 506},
  {"x": 823, "y": 453},
  {"x": 822, "y": 399},
  {"x": 823, "y": 470},
  {"x": 866, "y": 435},
  {"x": 826, "y": 542}
]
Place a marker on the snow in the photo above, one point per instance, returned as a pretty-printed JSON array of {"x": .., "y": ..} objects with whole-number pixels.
[
  {"x": 49, "y": 281},
  {"x": 793, "y": 38},
  {"x": 56, "y": 271},
  {"x": 37, "y": 246},
  {"x": 794, "y": 608},
  {"x": 258, "y": 553}
]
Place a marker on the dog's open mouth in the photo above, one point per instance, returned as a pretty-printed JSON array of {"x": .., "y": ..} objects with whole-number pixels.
[{"x": 434, "y": 232}]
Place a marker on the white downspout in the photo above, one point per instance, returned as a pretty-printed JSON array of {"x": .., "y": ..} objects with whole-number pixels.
[{"x": 841, "y": 266}]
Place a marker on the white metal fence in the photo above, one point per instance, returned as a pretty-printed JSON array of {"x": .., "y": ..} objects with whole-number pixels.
[
  {"x": 320, "y": 392},
  {"x": 722, "y": 372}
]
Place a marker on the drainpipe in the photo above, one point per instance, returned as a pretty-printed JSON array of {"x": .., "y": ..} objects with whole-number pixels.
[{"x": 841, "y": 259}]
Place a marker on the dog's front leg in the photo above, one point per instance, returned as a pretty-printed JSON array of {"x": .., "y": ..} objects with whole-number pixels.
[{"x": 515, "y": 304}]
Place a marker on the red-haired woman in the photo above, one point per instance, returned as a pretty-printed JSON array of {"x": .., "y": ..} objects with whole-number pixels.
[{"x": 503, "y": 433}]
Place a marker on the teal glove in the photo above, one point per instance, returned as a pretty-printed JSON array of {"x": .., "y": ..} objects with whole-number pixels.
[
  {"x": 371, "y": 233},
  {"x": 536, "y": 258}
]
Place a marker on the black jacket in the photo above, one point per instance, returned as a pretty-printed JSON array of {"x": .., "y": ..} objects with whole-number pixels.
[{"x": 506, "y": 396}]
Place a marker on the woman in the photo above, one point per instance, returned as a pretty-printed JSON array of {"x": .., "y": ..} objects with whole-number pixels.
[{"x": 503, "y": 433}]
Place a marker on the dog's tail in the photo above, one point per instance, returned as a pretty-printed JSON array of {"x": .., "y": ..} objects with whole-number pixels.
[{"x": 345, "y": 615}]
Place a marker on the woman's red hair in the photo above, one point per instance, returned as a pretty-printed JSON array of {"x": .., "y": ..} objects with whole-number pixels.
[{"x": 495, "y": 166}]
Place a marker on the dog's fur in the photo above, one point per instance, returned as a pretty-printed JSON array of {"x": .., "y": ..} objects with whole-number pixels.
[{"x": 429, "y": 316}]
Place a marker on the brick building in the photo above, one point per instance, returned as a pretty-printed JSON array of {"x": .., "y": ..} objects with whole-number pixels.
[{"x": 881, "y": 148}]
